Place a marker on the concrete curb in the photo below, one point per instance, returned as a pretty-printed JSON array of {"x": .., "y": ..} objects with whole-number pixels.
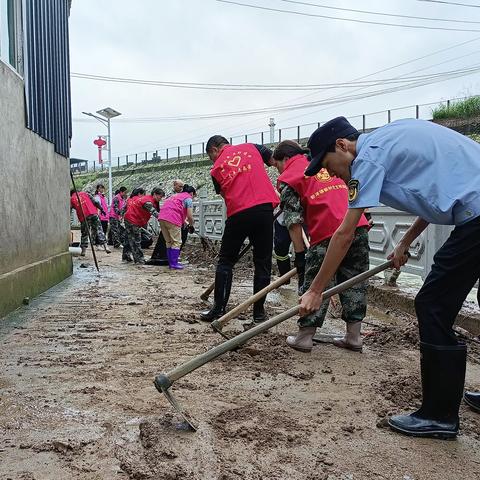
[{"x": 403, "y": 299}]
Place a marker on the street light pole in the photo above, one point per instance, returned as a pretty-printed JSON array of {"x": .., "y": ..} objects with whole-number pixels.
[
  {"x": 110, "y": 182},
  {"x": 106, "y": 115}
]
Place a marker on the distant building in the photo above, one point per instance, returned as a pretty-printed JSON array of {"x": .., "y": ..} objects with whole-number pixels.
[
  {"x": 78, "y": 166},
  {"x": 35, "y": 132}
]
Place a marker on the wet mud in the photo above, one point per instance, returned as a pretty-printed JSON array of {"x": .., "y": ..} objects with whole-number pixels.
[{"x": 77, "y": 399}]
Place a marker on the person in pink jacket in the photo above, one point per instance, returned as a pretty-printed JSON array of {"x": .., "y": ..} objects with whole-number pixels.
[
  {"x": 116, "y": 212},
  {"x": 175, "y": 211},
  {"x": 103, "y": 213}
]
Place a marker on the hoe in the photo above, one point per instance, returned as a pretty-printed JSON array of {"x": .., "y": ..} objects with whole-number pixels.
[{"x": 164, "y": 381}]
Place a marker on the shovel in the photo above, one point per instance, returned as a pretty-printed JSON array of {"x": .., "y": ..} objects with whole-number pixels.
[{"x": 164, "y": 381}]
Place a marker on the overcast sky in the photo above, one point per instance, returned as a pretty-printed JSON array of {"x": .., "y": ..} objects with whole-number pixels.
[{"x": 208, "y": 41}]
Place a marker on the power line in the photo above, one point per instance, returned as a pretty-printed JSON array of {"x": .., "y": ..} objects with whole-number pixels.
[
  {"x": 383, "y": 70},
  {"x": 400, "y": 76},
  {"x": 388, "y": 69},
  {"x": 414, "y": 84},
  {"x": 393, "y": 67},
  {"x": 383, "y": 14},
  {"x": 354, "y": 20},
  {"x": 451, "y": 3},
  {"x": 253, "y": 87}
]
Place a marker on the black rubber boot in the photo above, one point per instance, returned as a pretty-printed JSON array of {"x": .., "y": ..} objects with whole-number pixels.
[
  {"x": 284, "y": 266},
  {"x": 472, "y": 400},
  {"x": 223, "y": 285},
  {"x": 443, "y": 378},
  {"x": 259, "y": 314}
]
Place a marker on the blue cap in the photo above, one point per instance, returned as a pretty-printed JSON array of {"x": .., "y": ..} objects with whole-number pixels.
[{"x": 323, "y": 137}]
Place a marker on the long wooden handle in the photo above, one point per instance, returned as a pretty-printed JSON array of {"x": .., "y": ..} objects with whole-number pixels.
[
  {"x": 204, "y": 296},
  {"x": 166, "y": 380},
  {"x": 222, "y": 321},
  {"x": 86, "y": 223},
  {"x": 209, "y": 290},
  {"x": 305, "y": 239}
]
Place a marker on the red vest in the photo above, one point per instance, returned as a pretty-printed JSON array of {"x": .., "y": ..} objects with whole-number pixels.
[
  {"x": 88, "y": 206},
  {"x": 136, "y": 214},
  {"x": 241, "y": 174},
  {"x": 323, "y": 198}
]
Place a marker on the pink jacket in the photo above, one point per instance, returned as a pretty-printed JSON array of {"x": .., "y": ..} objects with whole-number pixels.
[
  {"x": 173, "y": 210},
  {"x": 121, "y": 205},
  {"x": 103, "y": 202}
]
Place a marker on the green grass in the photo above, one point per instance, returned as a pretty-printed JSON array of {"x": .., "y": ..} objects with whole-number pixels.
[
  {"x": 475, "y": 137},
  {"x": 470, "y": 107}
]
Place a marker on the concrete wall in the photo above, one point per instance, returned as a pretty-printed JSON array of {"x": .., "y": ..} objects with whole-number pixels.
[{"x": 34, "y": 203}]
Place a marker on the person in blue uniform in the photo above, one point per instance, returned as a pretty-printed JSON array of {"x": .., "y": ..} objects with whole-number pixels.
[{"x": 433, "y": 172}]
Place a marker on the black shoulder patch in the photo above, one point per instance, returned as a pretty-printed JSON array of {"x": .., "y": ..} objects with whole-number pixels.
[{"x": 353, "y": 186}]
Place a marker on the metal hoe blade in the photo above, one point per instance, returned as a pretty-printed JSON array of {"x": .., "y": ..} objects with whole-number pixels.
[
  {"x": 180, "y": 410},
  {"x": 218, "y": 330}
]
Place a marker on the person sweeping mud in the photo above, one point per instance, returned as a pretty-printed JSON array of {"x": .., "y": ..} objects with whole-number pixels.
[
  {"x": 433, "y": 172},
  {"x": 88, "y": 217},
  {"x": 321, "y": 202},
  {"x": 239, "y": 175},
  {"x": 139, "y": 210},
  {"x": 175, "y": 211}
]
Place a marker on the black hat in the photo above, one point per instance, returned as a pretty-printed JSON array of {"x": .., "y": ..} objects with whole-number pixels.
[{"x": 323, "y": 137}]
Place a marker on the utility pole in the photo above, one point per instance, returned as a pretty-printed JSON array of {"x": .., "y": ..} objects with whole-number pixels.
[
  {"x": 272, "y": 130},
  {"x": 110, "y": 181},
  {"x": 106, "y": 115}
]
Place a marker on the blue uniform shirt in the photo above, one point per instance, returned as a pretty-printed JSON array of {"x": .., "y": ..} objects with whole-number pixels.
[{"x": 418, "y": 167}]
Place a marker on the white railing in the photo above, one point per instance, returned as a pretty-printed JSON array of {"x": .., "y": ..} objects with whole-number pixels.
[{"x": 388, "y": 227}]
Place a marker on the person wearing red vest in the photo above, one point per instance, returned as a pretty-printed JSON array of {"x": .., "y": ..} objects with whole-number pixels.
[
  {"x": 239, "y": 175},
  {"x": 87, "y": 213},
  {"x": 115, "y": 216},
  {"x": 321, "y": 203},
  {"x": 140, "y": 208}
]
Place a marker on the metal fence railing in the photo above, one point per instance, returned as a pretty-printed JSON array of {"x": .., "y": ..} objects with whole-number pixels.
[{"x": 196, "y": 151}]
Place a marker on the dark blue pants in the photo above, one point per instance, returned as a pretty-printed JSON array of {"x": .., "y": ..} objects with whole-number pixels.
[{"x": 455, "y": 270}]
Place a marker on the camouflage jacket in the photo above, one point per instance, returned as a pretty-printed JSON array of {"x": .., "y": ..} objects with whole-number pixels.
[{"x": 290, "y": 205}]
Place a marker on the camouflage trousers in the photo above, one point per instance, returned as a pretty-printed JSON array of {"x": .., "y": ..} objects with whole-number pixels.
[
  {"x": 353, "y": 300},
  {"x": 118, "y": 232},
  {"x": 132, "y": 242},
  {"x": 96, "y": 230}
]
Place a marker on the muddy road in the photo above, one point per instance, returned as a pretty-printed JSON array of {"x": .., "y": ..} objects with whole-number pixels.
[{"x": 77, "y": 399}]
